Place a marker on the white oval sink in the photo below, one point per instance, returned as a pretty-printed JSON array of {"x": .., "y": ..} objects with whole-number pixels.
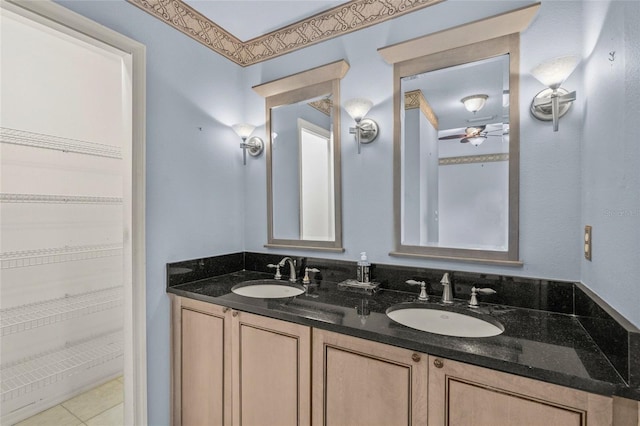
[
  {"x": 433, "y": 319},
  {"x": 268, "y": 289}
]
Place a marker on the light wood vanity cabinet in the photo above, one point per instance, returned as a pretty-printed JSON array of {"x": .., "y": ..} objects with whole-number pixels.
[
  {"x": 271, "y": 371},
  {"x": 360, "y": 382},
  {"x": 201, "y": 363},
  {"x": 465, "y": 395},
  {"x": 235, "y": 368}
]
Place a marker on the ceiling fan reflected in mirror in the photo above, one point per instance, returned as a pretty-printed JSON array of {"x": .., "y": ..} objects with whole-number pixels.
[{"x": 475, "y": 135}]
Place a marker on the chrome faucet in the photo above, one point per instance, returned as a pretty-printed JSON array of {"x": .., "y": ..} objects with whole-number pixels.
[
  {"x": 292, "y": 268},
  {"x": 446, "y": 291}
]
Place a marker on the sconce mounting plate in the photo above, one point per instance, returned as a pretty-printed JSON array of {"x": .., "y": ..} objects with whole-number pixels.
[
  {"x": 368, "y": 130},
  {"x": 255, "y": 146},
  {"x": 541, "y": 105}
]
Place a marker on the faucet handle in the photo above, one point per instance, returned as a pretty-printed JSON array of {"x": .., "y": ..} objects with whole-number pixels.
[
  {"x": 306, "y": 279},
  {"x": 473, "y": 302},
  {"x": 423, "y": 289},
  {"x": 278, "y": 275}
]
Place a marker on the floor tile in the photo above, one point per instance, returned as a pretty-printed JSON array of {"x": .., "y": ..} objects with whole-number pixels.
[
  {"x": 53, "y": 416},
  {"x": 112, "y": 417},
  {"x": 95, "y": 401}
]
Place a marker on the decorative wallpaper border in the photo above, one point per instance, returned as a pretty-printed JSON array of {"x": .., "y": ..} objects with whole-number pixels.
[
  {"x": 415, "y": 99},
  {"x": 334, "y": 22},
  {"x": 468, "y": 159},
  {"x": 323, "y": 105}
]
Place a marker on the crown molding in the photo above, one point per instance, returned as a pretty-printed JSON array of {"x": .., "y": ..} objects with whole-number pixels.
[
  {"x": 321, "y": 74},
  {"x": 511, "y": 22},
  {"x": 334, "y": 22}
]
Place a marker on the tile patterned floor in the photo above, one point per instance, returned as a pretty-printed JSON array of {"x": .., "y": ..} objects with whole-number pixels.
[{"x": 101, "y": 406}]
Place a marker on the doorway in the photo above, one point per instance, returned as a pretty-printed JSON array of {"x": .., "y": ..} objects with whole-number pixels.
[{"x": 71, "y": 211}]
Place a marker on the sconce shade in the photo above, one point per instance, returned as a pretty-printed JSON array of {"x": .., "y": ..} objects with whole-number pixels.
[
  {"x": 554, "y": 102},
  {"x": 243, "y": 129},
  {"x": 255, "y": 144},
  {"x": 358, "y": 108},
  {"x": 554, "y": 72},
  {"x": 474, "y": 103}
]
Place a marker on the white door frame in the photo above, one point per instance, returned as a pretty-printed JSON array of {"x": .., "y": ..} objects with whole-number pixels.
[{"x": 135, "y": 357}]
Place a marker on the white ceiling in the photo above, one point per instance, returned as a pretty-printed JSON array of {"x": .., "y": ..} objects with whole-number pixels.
[{"x": 247, "y": 19}]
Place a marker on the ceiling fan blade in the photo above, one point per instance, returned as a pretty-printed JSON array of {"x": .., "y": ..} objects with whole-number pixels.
[
  {"x": 475, "y": 129},
  {"x": 464, "y": 140},
  {"x": 453, "y": 137}
]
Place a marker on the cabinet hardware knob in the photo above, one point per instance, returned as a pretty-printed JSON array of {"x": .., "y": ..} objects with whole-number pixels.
[
  {"x": 234, "y": 314},
  {"x": 415, "y": 357},
  {"x": 225, "y": 310},
  {"x": 438, "y": 363}
]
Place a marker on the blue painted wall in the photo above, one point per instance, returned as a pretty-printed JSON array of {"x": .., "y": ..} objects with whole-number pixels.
[
  {"x": 611, "y": 153},
  {"x": 201, "y": 201}
]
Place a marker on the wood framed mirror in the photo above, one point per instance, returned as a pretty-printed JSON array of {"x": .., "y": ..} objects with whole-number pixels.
[
  {"x": 456, "y": 141},
  {"x": 304, "y": 202}
]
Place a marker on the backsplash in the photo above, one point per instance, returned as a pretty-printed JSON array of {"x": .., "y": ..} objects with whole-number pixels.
[{"x": 617, "y": 338}]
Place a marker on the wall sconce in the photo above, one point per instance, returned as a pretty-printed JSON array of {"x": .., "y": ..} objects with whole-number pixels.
[
  {"x": 553, "y": 102},
  {"x": 366, "y": 129},
  {"x": 474, "y": 103},
  {"x": 255, "y": 144}
]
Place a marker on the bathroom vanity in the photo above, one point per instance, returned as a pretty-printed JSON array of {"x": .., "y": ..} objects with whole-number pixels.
[{"x": 331, "y": 356}]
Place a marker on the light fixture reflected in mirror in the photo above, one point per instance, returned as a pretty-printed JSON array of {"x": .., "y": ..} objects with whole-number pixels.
[
  {"x": 553, "y": 102},
  {"x": 476, "y": 140},
  {"x": 474, "y": 103},
  {"x": 366, "y": 129},
  {"x": 255, "y": 144}
]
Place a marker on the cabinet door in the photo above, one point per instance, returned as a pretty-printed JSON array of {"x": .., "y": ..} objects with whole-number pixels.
[
  {"x": 201, "y": 364},
  {"x": 466, "y": 395},
  {"x": 359, "y": 382},
  {"x": 271, "y": 371}
]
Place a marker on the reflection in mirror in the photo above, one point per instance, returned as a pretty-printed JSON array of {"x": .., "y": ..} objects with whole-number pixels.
[
  {"x": 302, "y": 170},
  {"x": 455, "y": 169},
  {"x": 456, "y": 151}
]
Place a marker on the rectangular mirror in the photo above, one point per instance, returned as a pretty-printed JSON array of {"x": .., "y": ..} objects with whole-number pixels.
[
  {"x": 303, "y": 159},
  {"x": 456, "y": 153}
]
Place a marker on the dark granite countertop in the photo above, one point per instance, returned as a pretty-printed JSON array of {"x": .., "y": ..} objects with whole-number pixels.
[{"x": 542, "y": 345}]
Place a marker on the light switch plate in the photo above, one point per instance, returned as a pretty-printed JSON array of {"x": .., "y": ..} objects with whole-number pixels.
[{"x": 588, "y": 243}]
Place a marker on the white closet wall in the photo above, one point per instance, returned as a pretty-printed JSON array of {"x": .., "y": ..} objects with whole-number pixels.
[{"x": 65, "y": 133}]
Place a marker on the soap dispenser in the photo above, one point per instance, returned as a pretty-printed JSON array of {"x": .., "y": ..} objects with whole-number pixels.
[{"x": 363, "y": 273}]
